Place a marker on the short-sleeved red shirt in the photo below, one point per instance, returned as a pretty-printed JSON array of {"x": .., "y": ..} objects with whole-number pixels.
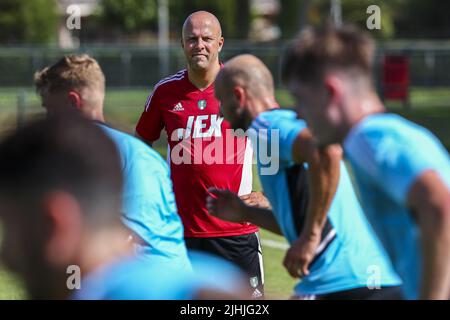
[{"x": 203, "y": 152}]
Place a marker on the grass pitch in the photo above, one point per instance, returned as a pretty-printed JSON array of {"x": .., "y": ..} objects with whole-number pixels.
[{"x": 429, "y": 107}]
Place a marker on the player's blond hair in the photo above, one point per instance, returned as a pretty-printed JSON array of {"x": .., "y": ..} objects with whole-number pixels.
[{"x": 71, "y": 72}]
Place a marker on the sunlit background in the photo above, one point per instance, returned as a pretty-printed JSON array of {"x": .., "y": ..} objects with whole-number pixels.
[{"x": 138, "y": 41}]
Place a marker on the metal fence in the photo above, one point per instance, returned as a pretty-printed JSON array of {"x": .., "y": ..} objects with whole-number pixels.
[{"x": 140, "y": 66}]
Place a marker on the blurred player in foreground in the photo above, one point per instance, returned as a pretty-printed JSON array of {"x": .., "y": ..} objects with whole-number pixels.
[
  {"x": 60, "y": 199},
  {"x": 333, "y": 249},
  {"x": 77, "y": 82},
  {"x": 401, "y": 169},
  {"x": 185, "y": 106}
]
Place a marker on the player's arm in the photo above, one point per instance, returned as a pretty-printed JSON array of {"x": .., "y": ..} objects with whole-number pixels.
[
  {"x": 323, "y": 176},
  {"x": 323, "y": 179},
  {"x": 226, "y": 205},
  {"x": 151, "y": 122},
  {"x": 429, "y": 199}
]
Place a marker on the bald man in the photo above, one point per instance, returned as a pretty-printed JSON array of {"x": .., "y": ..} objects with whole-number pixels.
[
  {"x": 204, "y": 153},
  {"x": 333, "y": 249}
]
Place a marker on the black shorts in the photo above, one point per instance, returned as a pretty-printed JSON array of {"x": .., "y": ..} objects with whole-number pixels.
[{"x": 243, "y": 251}]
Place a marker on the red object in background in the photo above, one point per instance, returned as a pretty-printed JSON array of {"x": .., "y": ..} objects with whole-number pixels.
[{"x": 396, "y": 77}]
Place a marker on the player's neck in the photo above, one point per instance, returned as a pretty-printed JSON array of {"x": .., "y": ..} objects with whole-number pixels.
[
  {"x": 202, "y": 79},
  {"x": 94, "y": 114},
  {"x": 104, "y": 247},
  {"x": 363, "y": 108},
  {"x": 262, "y": 105}
]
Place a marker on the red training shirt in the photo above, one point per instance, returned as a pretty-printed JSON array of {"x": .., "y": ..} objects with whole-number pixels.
[{"x": 203, "y": 152}]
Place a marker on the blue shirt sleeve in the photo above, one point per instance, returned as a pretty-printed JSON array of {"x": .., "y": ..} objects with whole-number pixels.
[
  {"x": 394, "y": 161},
  {"x": 149, "y": 207},
  {"x": 148, "y": 201},
  {"x": 281, "y": 127}
]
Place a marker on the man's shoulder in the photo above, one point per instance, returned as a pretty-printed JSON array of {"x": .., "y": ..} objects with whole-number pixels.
[
  {"x": 121, "y": 138},
  {"x": 277, "y": 116},
  {"x": 283, "y": 120},
  {"x": 132, "y": 148},
  {"x": 390, "y": 145},
  {"x": 390, "y": 131},
  {"x": 380, "y": 130},
  {"x": 170, "y": 81}
]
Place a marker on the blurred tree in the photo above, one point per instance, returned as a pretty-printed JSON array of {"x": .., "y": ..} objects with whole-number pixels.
[
  {"x": 129, "y": 15},
  {"x": 423, "y": 19},
  {"x": 28, "y": 21},
  {"x": 234, "y": 24},
  {"x": 294, "y": 14},
  {"x": 297, "y": 13},
  {"x": 355, "y": 11},
  {"x": 242, "y": 21}
]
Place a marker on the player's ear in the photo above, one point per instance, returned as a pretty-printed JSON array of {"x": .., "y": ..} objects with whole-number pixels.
[
  {"x": 63, "y": 213},
  {"x": 334, "y": 89},
  {"x": 239, "y": 94},
  {"x": 74, "y": 98},
  {"x": 221, "y": 42}
]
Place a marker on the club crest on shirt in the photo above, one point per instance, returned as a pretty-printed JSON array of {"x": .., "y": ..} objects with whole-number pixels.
[
  {"x": 254, "y": 282},
  {"x": 201, "y": 104}
]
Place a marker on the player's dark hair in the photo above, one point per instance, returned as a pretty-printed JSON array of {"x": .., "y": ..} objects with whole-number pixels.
[
  {"x": 318, "y": 50},
  {"x": 62, "y": 153}
]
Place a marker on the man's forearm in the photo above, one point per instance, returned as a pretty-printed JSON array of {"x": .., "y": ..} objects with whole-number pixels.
[
  {"x": 429, "y": 199},
  {"x": 434, "y": 224},
  {"x": 435, "y": 265},
  {"x": 323, "y": 176},
  {"x": 263, "y": 218}
]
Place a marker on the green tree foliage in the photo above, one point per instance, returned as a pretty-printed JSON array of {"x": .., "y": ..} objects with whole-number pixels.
[
  {"x": 242, "y": 19},
  {"x": 225, "y": 10},
  {"x": 290, "y": 16},
  {"x": 404, "y": 18},
  {"x": 423, "y": 19},
  {"x": 129, "y": 15},
  {"x": 353, "y": 11},
  {"x": 32, "y": 21},
  {"x": 136, "y": 15}
]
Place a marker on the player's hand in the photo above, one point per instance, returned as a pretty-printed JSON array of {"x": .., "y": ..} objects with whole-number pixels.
[
  {"x": 225, "y": 205},
  {"x": 256, "y": 199},
  {"x": 300, "y": 255}
]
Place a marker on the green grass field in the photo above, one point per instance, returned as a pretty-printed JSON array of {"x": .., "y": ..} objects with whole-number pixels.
[{"x": 429, "y": 107}]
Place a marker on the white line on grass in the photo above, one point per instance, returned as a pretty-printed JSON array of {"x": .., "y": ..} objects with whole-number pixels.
[{"x": 274, "y": 244}]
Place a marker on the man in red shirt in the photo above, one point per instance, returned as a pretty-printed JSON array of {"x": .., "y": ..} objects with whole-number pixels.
[{"x": 204, "y": 152}]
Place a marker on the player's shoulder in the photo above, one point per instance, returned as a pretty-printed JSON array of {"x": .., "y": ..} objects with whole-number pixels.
[
  {"x": 133, "y": 149},
  {"x": 274, "y": 118},
  {"x": 170, "y": 81},
  {"x": 275, "y": 114},
  {"x": 390, "y": 131},
  {"x": 122, "y": 139},
  {"x": 389, "y": 124}
]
